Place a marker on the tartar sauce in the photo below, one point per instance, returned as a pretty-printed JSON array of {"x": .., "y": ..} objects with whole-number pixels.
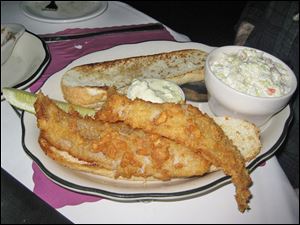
[
  {"x": 155, "y": 90},
  {"x": 248, "y": 71}
]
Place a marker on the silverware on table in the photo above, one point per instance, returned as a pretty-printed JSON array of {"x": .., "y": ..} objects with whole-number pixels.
[{"x": 66, "y": 37}]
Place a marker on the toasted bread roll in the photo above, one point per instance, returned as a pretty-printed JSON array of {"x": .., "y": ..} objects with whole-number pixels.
[{"x": 86, "y": 85}]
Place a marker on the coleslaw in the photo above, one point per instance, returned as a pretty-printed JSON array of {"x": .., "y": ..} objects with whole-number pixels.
[{"x": 250, "y": 72}]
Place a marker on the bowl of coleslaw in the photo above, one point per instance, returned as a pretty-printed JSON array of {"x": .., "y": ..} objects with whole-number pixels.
[{"x": 247, "y": 83}]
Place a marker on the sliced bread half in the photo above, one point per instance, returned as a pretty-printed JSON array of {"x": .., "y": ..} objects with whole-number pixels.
[{"x": 86, "y": 85}]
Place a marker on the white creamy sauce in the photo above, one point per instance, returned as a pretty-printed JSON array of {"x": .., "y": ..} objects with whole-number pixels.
[
  {"x": 155, "y": 90},
  {"x": 248, "y": 71},
  {"x": 93, "y": 91}
]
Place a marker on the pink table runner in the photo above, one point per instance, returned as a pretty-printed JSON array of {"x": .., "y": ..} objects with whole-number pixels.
[{"x": 63, "y": 53}]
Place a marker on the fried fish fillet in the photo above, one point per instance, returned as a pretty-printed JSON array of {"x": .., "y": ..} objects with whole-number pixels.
[
  {"x": 188, "y": 126},
  {"x": 112, "y": 149}
]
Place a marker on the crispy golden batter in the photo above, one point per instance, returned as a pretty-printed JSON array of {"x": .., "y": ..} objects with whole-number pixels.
[
  {"x": 186, "y": 125},
  {"x": 117, "y": 148}
]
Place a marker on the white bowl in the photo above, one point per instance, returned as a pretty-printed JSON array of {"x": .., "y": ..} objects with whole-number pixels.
[
  {"x": 10, "y": 33},
  {"x": 224, "y": 100}
]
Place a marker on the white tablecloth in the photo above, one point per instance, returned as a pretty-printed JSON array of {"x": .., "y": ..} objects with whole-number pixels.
[{"x": 274, "y": 200}]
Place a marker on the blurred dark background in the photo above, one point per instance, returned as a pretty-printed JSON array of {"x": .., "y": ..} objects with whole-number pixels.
[{"x": 208, "y": 22}]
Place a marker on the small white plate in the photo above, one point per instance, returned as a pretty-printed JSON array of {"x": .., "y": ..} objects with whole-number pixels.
[
  {"x": 68, "y": 11},
  {"x": 26, "y": 63},
  {"x": 272, "y": 136}
]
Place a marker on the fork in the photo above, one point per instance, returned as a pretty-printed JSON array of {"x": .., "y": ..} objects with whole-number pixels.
[{"x": 51, "y": 6}]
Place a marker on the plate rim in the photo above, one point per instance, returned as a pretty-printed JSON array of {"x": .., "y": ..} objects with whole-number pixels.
[
  {"x": 160, "y": 196},
  {"x": 49, "y": 20}
]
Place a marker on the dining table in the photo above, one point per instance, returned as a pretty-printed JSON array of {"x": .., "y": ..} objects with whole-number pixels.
[{"x": 273, "y": 198}]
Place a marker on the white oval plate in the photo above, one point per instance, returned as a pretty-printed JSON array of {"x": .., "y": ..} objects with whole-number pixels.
[
  {"x": 26, "y": 63},
  {"x": 68, "y": 11},
  {"x": 272, "y": 136}
]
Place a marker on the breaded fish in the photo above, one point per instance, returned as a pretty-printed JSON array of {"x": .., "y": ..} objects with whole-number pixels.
[
  {"x": 187, "y": 126},
  {"x": 115, "y": 148}
]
